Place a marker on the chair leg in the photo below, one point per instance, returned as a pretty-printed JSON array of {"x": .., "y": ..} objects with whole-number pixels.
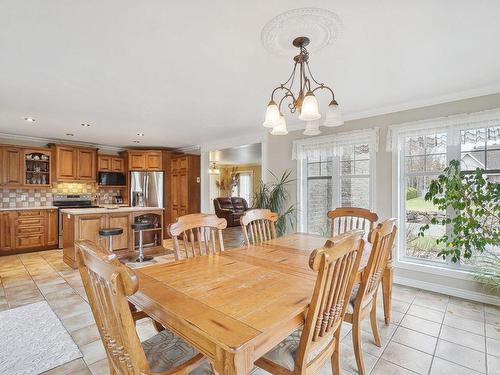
[
  {"x": 356, "y": 342},
  {"x": 373, "y": 321},
  {"x": 387, "y": 279},
  {"x": 336, "y": 355}
]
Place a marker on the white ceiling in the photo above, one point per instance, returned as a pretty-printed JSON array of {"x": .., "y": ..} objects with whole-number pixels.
[
  {"x": 247, "y": 154},
  {"x": 189, "y": 72}
]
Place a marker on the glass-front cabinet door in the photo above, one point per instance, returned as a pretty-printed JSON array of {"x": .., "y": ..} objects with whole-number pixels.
[{"x": 37, "y": 168}]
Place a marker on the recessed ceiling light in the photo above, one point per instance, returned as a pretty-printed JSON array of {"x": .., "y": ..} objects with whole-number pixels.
[
  {"x": 140, "y": 134},
  {"x": 70, "y": 134},
  {"x": 85, "y": 125},
  {"x": 29, "y": 119},
  {"x": 136, "y": 141}
]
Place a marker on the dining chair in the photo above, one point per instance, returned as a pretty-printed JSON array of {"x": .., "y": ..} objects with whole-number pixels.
[
  {"x": 344, "y": 219},
  {"x": 107, "y": 283},
  {"x": 307, "y": 349},
  {"x": 200, "y": 234},
  {"x": 363, "y": 299},
  {"x": 258, "y": 225}
]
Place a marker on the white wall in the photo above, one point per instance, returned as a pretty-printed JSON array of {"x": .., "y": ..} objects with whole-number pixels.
[{"x": 277, "y": 154}]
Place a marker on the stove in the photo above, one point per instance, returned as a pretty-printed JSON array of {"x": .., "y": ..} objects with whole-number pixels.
[{"x": 70, "y": 201}]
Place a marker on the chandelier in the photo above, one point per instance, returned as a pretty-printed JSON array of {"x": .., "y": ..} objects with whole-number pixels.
[{"x": 304, "y": 101}]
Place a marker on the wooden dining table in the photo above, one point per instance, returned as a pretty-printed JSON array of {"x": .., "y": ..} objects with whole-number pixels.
[{"x": 237, "y": 305}]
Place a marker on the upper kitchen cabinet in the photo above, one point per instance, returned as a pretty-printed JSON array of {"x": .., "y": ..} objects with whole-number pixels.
[
  {"x": 144, "y": 160},
  {"x": 12, "y": 166},
  {"x": 25, "y": 167},
  {"x": 74, "y": 163},
  {"x": 110, "y": 163}
]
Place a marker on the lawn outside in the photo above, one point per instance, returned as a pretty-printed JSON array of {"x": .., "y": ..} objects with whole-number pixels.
[{"x": 420, "y": 204}]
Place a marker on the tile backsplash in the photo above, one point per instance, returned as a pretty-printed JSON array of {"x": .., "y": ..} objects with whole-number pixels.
[{"x": 27, "y": 197}]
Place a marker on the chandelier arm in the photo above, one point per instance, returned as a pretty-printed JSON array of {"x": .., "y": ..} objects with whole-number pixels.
[
  {"x": 291, "y": 106},
  {"x": 312, "y": 77},
  {"x": 291, "y": 75},
  {"x": 288, "y": 92},
  {"x": 324, "y": 87}
]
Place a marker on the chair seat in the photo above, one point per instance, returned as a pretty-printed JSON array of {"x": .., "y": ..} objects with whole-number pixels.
[
  {"x": 352, "y": 300},
  {"x": 284, "y": 354},
  {"x": 110, "y": 231},
  {"x": 166, "y": 350}
]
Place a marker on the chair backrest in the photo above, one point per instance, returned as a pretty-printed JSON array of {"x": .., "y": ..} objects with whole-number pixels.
[
  {"x": 382, "y": 239},
  {"x": 337, "y": 264},
  {"x": 258, "y": 225},
  {"x": 108, "y": 283},
  {"x": 344, "y": 219},
  {"x": 200, "y": 234}
]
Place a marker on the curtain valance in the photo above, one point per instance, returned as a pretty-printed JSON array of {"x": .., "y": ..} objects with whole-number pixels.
[
  {"x": 332, "y": 145},
  {"x": 451, "y": 126}
]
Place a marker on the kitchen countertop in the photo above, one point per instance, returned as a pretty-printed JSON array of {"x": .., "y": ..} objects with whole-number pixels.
[
  {"x": 28, "y": 208},
  {"x": 86, "y": 211}
]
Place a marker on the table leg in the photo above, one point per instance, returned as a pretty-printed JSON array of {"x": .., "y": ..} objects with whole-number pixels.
[
  {"x": 387, "y": 291},
  {"x": 233, "y": 363}
]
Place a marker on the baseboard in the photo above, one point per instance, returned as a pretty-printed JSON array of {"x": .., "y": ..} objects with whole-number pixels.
[{"x": 455, "y": 292}]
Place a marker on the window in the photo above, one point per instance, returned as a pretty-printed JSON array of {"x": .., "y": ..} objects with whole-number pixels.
[
  {"x": 422, "y": 154},
  {"x": 244, "y": 189},
  {"x": 335, "y": 172}
]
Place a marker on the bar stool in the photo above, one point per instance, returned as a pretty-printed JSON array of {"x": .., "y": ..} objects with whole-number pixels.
[
  {"x": 140, "y": 227},
  {"x": 110, "y": 232}
]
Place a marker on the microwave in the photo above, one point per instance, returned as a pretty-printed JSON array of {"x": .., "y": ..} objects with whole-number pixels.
[{"x": 112, "y": 179}]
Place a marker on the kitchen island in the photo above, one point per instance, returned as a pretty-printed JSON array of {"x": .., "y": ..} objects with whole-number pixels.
[{"x": 84, "y": 224}]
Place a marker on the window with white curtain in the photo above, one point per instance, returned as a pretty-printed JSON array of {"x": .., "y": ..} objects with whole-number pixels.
[
  {"x": 244, "y": 189},
  {"x": 334, "y": 171},
  {"x": 421, "y": 152}
]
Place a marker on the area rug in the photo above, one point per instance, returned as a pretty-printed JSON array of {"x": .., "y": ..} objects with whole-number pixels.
[{"x": 33, "y": 340}]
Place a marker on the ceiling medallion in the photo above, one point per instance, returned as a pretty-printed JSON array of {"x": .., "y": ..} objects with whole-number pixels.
[
  {"x": 303, "y": 100},
  {"x": 321, "y": 26}
]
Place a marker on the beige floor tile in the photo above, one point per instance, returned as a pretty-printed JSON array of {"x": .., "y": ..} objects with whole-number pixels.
[
  {"x": 100, "y": 367},
  {"x": 461, "y": 355},
  {"x": 397, "y": 305},
  {"x": 78, "y": 321},
  {"x": 421, "y": 325},
  {"x": 470, "y": 325},
  {"x": 493, "y": 365},
  {"x": 403, "y": 293},
  {"x": 443, "y": 367},
  {"x": 385, "y": 331},
  {"x": 368, "y": 343},
  {"x": 493, "y": 347},
  {"x": 85, "y": 335},
  {"x": 465, "y": 312},
  {"x": 432, "y": 300},
  {"x": 407, "y": 357},
  {"x": 93, "y": 352},
  {"x": 464, "y": 338},
  {"x": 426, "y": 313},
  {"x": 384, "y": 367},
  {"x": 348, "y": 360},
  {"x": 415, "y": 340},
  {"x": 69, "y": 311},
  {"x": 77, "y": 366}
]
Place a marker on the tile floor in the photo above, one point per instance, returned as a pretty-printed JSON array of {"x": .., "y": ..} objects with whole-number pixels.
[{"x": 430, "y": 333}]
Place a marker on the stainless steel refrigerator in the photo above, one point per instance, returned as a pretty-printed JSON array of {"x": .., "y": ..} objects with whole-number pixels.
[{"x": 146, "y": 189}]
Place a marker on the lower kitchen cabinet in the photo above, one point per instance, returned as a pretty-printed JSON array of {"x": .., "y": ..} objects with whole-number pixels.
[{"x": 27, "y": 230}]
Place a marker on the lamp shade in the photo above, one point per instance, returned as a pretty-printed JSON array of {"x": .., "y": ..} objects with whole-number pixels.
[
  {"x": 280, "y": 129},
  {"x": 272, "y": 115},
  {"x": 333, "y": 115},
  {"x": 310, "y": 108},
  {"x": 312, "y": 128}
]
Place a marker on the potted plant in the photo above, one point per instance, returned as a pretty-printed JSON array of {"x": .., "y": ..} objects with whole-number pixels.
[
  {"x": 472, "y": 203},
  {"x": 273, "y": 196}
]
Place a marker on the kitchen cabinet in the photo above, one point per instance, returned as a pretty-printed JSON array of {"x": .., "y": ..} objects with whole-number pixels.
[
  {"x": 28, "y": 230},
  {"x": 144, "y": 160},
  {"x": 185, "y": 185},
  {"x": 12, "y": 166},
  {"x": 74, "y": 163},
  {"x": 120, "y": 221},
  {"x": 109, "y": 163},
  {"x": 37, "y": 165},
  {"x": 86, "y": 164}
]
